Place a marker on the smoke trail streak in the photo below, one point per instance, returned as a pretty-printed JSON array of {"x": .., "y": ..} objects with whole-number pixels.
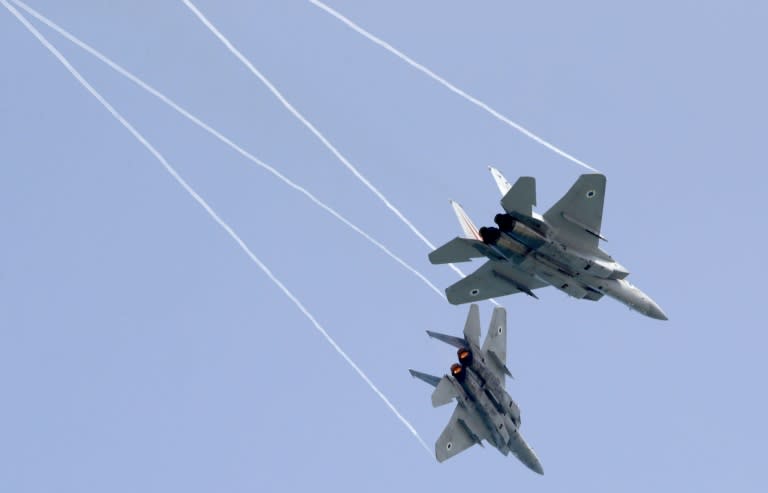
[
  {"x": 311, "y": 127},
  {"x": 172, "y": 171},
  {"x": 133, "y": 78},
  {"x": 421, "y": 68}
]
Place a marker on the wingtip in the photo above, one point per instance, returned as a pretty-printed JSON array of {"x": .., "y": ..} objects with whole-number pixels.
[{"x": 434, "y": 335}]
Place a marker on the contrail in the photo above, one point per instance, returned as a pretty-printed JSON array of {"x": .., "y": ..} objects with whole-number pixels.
[
  {"x": 421, "y": 68},
  {"x": 125, "y": 73},
  {"x": 311, "y": 127},
  {"x": 211, "y": 213}
]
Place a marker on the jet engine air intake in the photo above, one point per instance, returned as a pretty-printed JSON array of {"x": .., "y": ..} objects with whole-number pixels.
[{"x": 597, "y": 269}]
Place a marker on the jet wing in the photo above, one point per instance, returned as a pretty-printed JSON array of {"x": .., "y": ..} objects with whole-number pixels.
[
  {"x": 577, "y": 216},
  {"x": 494, "y": 278},
  {"x": 463, "y": 431}
]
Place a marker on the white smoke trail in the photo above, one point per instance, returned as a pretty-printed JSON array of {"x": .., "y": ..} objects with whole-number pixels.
[
  {"x": 421, "y": 68},
  {"x": 125, "y": 73},
  {"x": 211, "y": 213},
  {"x": 309, "y": 125}
]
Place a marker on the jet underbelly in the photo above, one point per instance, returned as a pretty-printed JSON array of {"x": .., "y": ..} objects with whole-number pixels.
[
  {"x": 581, "y": 263},
  {"x": 556, "y": 276},
  {"x": 487, "y": 411}
]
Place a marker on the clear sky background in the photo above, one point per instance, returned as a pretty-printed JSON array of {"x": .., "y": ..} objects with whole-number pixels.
[{"x": 141, "y": 350}]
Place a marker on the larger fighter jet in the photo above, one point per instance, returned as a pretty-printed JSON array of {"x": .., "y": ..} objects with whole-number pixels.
[
  {"x": 528, "y": 251},
  {"x": 485, "y": 411}
]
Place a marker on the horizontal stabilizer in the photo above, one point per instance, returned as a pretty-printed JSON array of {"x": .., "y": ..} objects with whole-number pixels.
[
  {"x": 521, "y": 198},
  {"x": 456, "y": 342},
  {"x": 426, "y": 377},
  {"x": 444, "y": 393},
  {"x": 458, "y": 250}
]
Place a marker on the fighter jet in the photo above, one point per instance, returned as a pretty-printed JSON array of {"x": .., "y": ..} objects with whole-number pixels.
[
  {"x": 485, "y": 411},
  {"x": 528, "y": 251}
]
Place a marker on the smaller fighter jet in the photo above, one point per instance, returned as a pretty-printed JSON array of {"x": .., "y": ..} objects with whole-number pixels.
[{"x": 485, "y": 411}]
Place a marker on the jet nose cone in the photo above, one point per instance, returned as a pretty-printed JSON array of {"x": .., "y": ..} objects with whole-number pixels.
[
  {"x": 655, "y": 312},
  {"x": 532, "y": 461}
]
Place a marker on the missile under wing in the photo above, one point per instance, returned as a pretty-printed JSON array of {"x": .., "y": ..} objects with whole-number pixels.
[{"x": 484, "y": 410}]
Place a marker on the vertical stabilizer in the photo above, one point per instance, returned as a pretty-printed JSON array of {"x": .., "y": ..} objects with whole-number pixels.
[
  {"x": 521, "y": 197},
  {"x": 495, "y": 345},
  {"x": 469, "y": 228},
  {"x": 501, "y": 182},
  {"x": 472, "y": 327}
]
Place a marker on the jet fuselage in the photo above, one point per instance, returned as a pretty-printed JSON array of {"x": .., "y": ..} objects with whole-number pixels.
[
  {"x": 537, "y": 251},
  {"x": 496, "y": 409},
  {"x": 485, "y": 412},
  {"x": 493, "y": 387}
]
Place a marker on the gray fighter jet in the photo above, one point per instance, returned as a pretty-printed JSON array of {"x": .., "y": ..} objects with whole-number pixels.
[
  {"x": 485, "y": 411},
  {"x": 528, "y": 251}
]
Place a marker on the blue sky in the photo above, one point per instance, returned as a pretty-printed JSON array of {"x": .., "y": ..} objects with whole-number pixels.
[{"x": 141, "y": 350}]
